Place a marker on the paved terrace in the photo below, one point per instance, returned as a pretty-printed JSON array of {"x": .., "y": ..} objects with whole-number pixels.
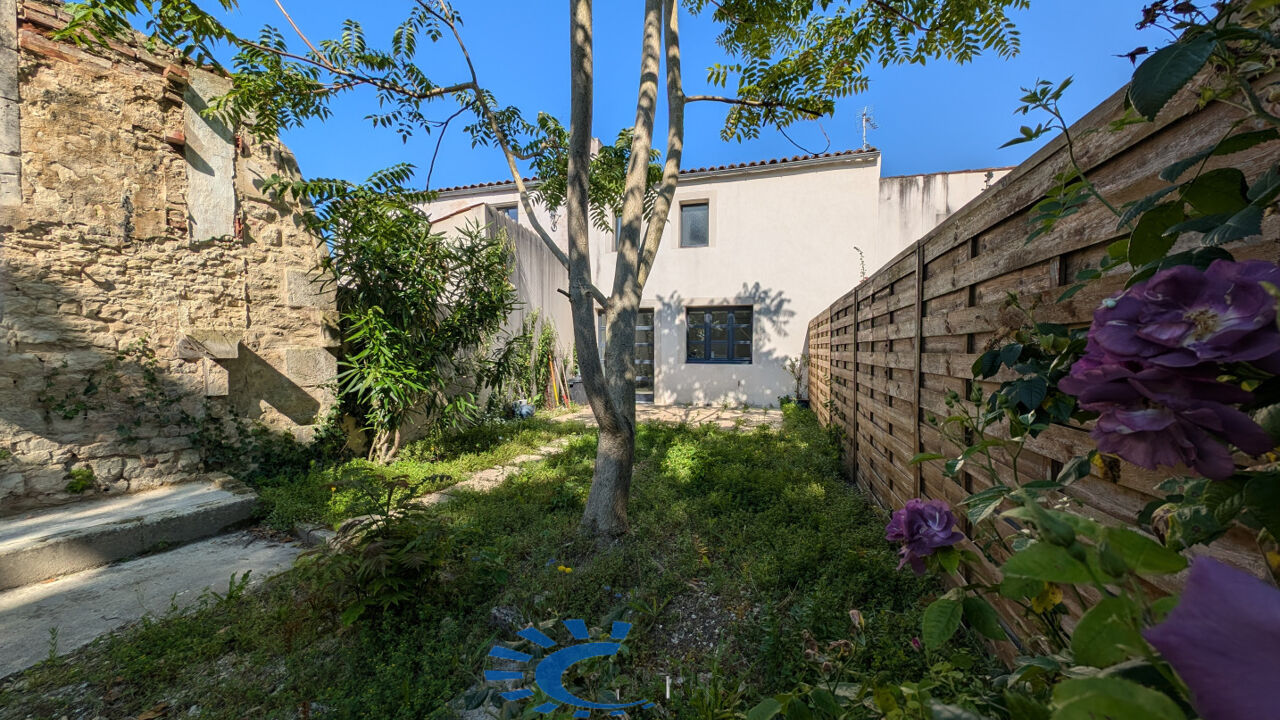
[{"x": 725, "y": 418}]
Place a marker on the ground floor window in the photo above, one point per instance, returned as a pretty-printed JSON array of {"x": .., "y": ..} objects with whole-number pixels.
[
  {"x": 718, "y": 335},
  {"x": 644, "y": 351}
]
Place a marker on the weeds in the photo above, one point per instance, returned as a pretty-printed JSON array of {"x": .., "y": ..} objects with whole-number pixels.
[{"x": 756, "y": 530}]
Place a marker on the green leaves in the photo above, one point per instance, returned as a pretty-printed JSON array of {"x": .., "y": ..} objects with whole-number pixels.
[
  {"x": 797, "y": 59},
  {"x": 415, "y": 305},
  {"x": 1149, "y": 241},
  {"x": 1028, "y": 134},
  {"x": 1096, "y": 698},
  {"x": 1166, "y": 71},
  {"x": 1049, "y": 563},
  {"x": 980, "y": 616},
  {"x": 1107, "y": 634},
  {"x": 1220, "y": 191},
  {"x": 606, "y": 177},
  {"x": 985, "y": 502},
  {"x": 1262, "y": 500},
  {"x": 1246, "y": 223},
  {"x": 940, "y": 622},
  {"x": 1141, "y": 554},
  {"x": 1029, "y": 392},
  {"x": 765, "y": 710}
]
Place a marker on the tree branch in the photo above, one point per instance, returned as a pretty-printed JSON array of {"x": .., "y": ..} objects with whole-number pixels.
[
  {"x": 675, "y": 143},
  {"x": 898, "y": 13},
  {"x": 439, "y": 141},
  {"x": 753, "y": 103},
  {"x": 637, "y": 173},
  {"x": 356, "y": 77},
  {"x": 446, "y": 17},
  {"x": 298, "y": 30}
]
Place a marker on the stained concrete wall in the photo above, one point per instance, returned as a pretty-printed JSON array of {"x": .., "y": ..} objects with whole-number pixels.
[
  {"x": 139, "y": 219},
  {"x": 912, "y": 205}
]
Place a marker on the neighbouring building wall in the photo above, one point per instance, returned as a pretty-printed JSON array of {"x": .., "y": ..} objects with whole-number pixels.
[
  {"x": 131, "y": 220},
  {"x": 912, "y": 205},
  {"x": 537, "y": 274},
  {"x": 782, "y": 235}
]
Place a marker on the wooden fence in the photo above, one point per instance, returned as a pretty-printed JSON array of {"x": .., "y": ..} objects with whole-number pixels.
[{"x": 883, "y": 357}]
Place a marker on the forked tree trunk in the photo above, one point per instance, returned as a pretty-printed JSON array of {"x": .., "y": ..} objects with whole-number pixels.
[
  {"x": 609, "y": 377},
  {"x": 615, "y": 451}
]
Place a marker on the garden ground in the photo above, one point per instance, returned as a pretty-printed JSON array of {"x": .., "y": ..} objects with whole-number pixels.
[{"x": 744, "y": 545}]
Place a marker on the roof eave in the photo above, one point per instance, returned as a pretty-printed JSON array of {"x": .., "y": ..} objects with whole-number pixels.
[
  {"x": 863, "y": 157},
  {"x": 849, "y": 157}
]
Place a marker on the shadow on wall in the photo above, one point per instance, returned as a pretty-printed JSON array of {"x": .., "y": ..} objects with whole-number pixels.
[
  {"x": 759, "y": 383},
  {"x": 253, "y": 381}
]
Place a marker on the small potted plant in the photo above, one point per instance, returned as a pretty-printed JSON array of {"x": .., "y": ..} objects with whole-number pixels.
[{"x": 798, "y": 367}]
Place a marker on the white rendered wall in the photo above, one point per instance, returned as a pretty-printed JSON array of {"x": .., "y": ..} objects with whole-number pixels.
[
  {"x": 784, "y": 238},
  {"x": 781, "y": 240},
  {"x": 537, "y": 274}
]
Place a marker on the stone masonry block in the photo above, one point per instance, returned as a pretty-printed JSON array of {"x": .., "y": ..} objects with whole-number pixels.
[
  {"x": 310, "y": 367},
  {"x": 304, "y": 289},
  {"x": 207, "y": 343},
  {"x": 217, "y": 381}
]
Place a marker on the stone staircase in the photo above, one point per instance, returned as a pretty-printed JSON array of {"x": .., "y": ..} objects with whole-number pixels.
[{"x": 71, "y": 573}]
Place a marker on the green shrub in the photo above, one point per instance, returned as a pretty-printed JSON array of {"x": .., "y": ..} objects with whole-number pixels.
[
  {"x": 384, "y": 564},
  {"x": 79, "y": 480}
]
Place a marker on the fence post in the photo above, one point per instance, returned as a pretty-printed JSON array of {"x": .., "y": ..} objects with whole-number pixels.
[{"x": 918, "y": 379}]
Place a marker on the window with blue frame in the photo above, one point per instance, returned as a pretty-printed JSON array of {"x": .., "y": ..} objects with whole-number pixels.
[{"x": 718, "y": 334}]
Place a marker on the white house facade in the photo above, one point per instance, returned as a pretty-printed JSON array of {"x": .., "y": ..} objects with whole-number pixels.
[{"x": 750, "y": 253}]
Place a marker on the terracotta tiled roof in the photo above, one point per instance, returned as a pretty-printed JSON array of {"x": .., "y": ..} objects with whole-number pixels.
[
  {"x": 476, "y": 186},
  {"x": 688, "y": 171},
  {"x": 777, "y": 161}
]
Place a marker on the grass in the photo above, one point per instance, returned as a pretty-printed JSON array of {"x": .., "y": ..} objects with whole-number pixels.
[
  {"x": 742, "y": 544},
  {"x": 329, "y": 494}
]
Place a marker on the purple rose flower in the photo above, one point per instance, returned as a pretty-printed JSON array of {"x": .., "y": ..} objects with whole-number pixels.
[
  {"x": 1154, "y": 355},
  {"x": 1223, "y": 638},
  {"x": 1181, "y": 317},
  {"x": 1156, "y": 416},
  {"x": 922, "y": 527}
]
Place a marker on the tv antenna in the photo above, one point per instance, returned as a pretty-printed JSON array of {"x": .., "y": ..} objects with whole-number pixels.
[{"x": 868, "y": 122}]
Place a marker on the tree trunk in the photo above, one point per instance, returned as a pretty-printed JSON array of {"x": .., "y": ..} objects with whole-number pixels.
[
  {"x": 614, "y": 454},
  {"x": 606, "y": 512}
]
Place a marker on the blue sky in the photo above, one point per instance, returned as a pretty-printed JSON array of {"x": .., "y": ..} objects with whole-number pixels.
[{"x": 938, "y": 117}]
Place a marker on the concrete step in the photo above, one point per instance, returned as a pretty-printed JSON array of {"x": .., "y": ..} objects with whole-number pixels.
[
  {"x": 47, "y": 543},
  {"x": 83, "y": 606}
]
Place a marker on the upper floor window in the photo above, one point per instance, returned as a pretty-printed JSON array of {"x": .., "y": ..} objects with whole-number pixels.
[
  {"x": 511, "y": 211},
  {"x": 694, "y": 225},
  {"x": 718, "y": 335}
]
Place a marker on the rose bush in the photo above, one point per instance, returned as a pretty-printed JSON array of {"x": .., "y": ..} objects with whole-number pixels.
[{"x": 1180, "y": 369}]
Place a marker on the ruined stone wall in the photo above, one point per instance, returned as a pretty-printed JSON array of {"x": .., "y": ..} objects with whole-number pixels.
[{"x": 133, "y": 225}]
